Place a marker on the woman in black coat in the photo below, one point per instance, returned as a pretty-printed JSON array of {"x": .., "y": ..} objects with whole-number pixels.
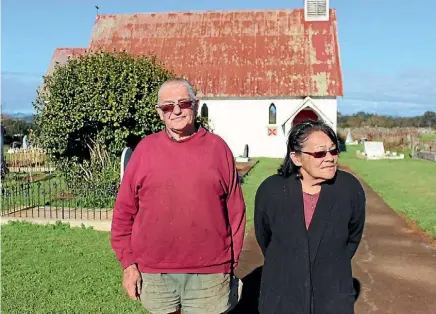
[{"x": 309, "y": 220}]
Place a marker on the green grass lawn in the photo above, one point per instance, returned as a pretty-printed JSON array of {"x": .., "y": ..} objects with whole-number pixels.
[
  {"x": 408, "y": 186},
  {"x": 428, "y": 137},
  {"x": 56, "y": 269},
  {"x": 263, "y": 169}
]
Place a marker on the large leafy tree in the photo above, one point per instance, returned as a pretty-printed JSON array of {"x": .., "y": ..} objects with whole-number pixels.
[{"x": 102, "y": 97}]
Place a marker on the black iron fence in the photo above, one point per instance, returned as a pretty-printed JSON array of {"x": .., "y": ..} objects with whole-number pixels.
[{"x": 51, "y": 196}]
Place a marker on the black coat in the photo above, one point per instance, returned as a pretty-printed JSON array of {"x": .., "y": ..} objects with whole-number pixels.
[{"x": 308, "y": 271}]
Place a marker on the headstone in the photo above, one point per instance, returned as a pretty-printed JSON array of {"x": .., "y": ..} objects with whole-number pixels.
[
  {"x": 245, "y": 155},
  {"x": 374, "y": 150},
  {"x": 349, "y": 139},
  {"x": 125, "y": 157},
  {"x": 25, "y": 144}
]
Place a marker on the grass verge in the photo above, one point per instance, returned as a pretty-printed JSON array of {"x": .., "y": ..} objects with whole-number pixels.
[
  {"x": 263, "y": 169},
  {"x": 57, "y": 269},
  {"x": 407, "y": 185}
]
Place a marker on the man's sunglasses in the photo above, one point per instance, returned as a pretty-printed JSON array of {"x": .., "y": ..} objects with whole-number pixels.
[
  {"x": 183, "y": 104},
  {"x": 333, "y": 152}
]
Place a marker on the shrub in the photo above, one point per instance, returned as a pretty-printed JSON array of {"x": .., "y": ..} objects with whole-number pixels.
[{"x": 110, "y": 96}]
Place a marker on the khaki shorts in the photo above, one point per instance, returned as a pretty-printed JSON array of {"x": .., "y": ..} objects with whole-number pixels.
[{"x": 192, "y": 293}]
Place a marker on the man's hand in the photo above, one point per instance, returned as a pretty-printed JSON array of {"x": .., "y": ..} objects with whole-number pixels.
[{"x": 132, "y": 281}]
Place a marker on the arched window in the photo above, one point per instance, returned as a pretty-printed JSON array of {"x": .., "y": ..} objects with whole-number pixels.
[
  {"x": 204, "y": 111},
  {"x": 272, "y": 114}
]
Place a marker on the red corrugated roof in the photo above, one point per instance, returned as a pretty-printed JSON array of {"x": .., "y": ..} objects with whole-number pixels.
[{"x": 272, "y": 53}]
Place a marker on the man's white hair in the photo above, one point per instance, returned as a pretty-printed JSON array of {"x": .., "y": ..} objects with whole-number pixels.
[{"x": 178, "y": 81}]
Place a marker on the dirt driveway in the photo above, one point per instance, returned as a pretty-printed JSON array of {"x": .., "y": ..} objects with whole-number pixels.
[{"x": 394, "y": 268}]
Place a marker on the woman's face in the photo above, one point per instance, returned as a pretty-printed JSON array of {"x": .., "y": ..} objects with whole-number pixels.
[{"x": 319, "y": 157}]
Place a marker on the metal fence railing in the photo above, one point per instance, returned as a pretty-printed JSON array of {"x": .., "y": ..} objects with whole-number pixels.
[
  {"x": 48, "y": 194},
  {"x": 51, "y": 196}
]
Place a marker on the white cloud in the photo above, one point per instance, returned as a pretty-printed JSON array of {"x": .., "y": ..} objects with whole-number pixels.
[
  {"x": 409, "y": 93},
  {"x": 390, "y": 108}
]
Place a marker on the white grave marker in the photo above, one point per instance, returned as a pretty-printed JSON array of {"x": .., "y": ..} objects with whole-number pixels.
[
  {"x": 374, "y": 150},
  {"x": 349, "y": 139},
  {"x": 25, "y": 144},
  {"x": 125, "y": 157}
]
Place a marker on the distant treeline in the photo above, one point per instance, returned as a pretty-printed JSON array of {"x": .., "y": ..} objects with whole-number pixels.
[{"x": 362, "y": 119}]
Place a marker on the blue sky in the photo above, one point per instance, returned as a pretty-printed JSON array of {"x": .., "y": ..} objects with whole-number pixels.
[{"x": 387, "y": 47}]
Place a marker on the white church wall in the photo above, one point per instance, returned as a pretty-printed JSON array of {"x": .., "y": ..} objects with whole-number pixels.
[{"x": 246, "y": 121}]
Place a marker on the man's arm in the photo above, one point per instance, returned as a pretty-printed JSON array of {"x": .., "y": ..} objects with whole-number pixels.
[
  {"x": 357, "y": 222},
  {"x": 235, "y": 208},
  {"x": 125, "y": 210}
]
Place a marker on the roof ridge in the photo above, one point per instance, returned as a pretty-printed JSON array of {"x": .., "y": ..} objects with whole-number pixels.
[
  {"x": 204, "y": 11},
  {"x": 70, "y": 48}
]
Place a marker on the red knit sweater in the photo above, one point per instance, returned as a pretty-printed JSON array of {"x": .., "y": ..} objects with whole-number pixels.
[{"x": 180, "y": 207}]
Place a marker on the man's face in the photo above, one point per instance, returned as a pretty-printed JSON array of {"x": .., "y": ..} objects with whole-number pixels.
[{"x": 176, "y": 109}]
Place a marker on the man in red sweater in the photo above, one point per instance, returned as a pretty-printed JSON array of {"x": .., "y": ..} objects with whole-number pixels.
[{"x": 179, "y": 217}]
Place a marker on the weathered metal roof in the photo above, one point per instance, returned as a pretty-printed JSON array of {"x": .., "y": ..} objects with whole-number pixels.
[{"x": 272, "y": 53}]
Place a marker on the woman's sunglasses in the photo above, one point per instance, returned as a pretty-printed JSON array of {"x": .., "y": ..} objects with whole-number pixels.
[
  {"x": 183, "y": 104},
  {"x": 333, "y": 152}
]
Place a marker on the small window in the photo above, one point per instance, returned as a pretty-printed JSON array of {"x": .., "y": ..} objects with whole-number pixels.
[
  {"x": 272, "y": 114},
  {"x": 204, "y": 111}
]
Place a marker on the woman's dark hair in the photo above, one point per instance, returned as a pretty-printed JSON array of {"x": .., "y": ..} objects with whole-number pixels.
[{"x": 297, "y": 136}]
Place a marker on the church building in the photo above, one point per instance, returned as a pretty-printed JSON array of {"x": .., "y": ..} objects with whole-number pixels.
[{"x": 257, "y": 72}]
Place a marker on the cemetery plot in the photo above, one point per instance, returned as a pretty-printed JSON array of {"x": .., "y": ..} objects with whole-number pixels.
[
  {"x": 244, "y": 167},
  {"x": 425, "y": 149},
  {"x": 376, "y": 151},
  {"x": 244, "y": 163}
]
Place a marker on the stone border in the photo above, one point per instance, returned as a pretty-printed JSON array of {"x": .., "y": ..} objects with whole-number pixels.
[{"x": 430, "y": 156}]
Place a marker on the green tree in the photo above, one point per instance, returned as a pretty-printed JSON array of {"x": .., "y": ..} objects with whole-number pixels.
[
  {"x": 429, "y": 118},
  {"x": 362, "y": 119},
  {"x": 105, "y": 98}
]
